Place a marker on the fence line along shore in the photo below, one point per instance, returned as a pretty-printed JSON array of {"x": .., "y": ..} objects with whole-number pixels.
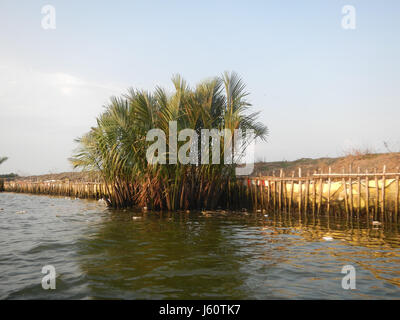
[{"x": 372, "y": 194}]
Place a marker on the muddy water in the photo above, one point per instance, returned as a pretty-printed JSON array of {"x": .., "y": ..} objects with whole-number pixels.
[{"x": 100, "y": 253}]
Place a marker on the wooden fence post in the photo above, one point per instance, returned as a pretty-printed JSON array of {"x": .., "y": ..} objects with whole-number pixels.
[
  {"x": 383, "y": 193},
  {"x": 300, "y": 191},
  {"x": 321, "y": 190},
  {"x": 359, "y": 192},
  {"x": 396, "y": 211},
  {"x": 346, "y": 202},
  {"x": 291, "y": 192},
  {"x": 329, "y": 190},
  {"x": 367, "y": 194},
  {"x": 376, "y": 196},
  {"x": 351, "y": 191}
]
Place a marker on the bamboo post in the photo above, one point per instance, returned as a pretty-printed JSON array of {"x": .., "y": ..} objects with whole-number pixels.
[
  {"x": 255, "y": 195},
  {"x": 280, "y": 190},
  {"x": 383, "y": 192},
  {"x": 307, "y": 193},
  {"x": 367, "y": 194},
  {"x": 274, "y": 193},
  {"x": 320, "y": 194},
  {"x": 351, "y": 192},
  {"x": 314, "y": 194},
  {"x": 291, "y": 192},
  {"x": 284, "y": 192},
  {"x": 376, "y": 212},
  {"x": 262, "y": 185},
  {"x": 329, "y": 189},
  {"x": 346, "y": 202},
  {"x": 359, "y": 192},
  {"x": 396, "y": 210},
  {"x": 300, "y": 191}
]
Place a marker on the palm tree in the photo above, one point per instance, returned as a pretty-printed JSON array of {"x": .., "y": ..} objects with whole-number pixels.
[
  {"x": 2, "y": 159},
  {"x": 117, "y": 146}
]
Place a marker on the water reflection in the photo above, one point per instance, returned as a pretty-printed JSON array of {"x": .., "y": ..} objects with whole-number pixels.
[
  {"x": 179, "y": 256},
  {"x": 163, "y": 257},
  {"x": 100, "y": 253}
]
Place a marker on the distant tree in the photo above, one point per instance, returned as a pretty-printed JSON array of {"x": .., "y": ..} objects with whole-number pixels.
[{"x": 3, "y": 159}]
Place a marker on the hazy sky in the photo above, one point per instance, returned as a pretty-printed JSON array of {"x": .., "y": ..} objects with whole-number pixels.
[{"x": 321, "y": 89}]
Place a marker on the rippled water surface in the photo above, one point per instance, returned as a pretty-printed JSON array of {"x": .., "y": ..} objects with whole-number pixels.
[{"x": 100, "y": 253}]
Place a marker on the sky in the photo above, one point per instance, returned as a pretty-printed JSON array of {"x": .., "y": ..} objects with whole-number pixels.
[{"x": 321, "y": 89}]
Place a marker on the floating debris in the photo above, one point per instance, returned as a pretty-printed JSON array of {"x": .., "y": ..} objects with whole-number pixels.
[
  {"x": 21, "y": 212},
  {"x": 136, "y": 218},
  {"x": 327, "y": 238},
  {"x": 206, "y": 214},
  {"x": 376, "y": 223}
]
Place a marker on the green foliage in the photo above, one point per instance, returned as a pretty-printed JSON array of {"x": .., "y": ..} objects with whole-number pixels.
[
  {"x": 9, "y": 176},
  {"x": 117, "y": 146}
]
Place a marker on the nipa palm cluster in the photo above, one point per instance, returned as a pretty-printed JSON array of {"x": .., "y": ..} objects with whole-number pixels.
[{"x": 116, "y": 147}]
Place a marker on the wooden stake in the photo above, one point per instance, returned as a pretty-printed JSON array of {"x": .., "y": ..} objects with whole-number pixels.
[
  {"x": 262, "y": 184},
  {"x": 280, "y": 190},
  {"x": 320, "y": 194},
  {"x": 396, "y": 212},
  {"x": 359, "y": 193},
  {"x": 314, "y": 194},
  {"x": 291, "y": 192},
  {"x": 383, "y": 192},
  {"x": 300, "y": 191},
  {"x": 346, "y": 202},
  {"x": 255, "y": 195},
  {"x": 376, "y": 196},
  {"x": 367, "y": 194},
  {"x": 351, "y": 193},
  {"x": 329, "y": 190},
  {"x": 307, "y": 194}
]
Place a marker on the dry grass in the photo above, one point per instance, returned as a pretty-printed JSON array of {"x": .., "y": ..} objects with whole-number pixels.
[
  {"x": 358, "y": 152},
  {"x": 365, "y": 160}
]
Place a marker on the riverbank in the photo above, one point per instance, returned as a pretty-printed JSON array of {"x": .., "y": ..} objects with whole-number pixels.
[{"x": 364, "y": 161}]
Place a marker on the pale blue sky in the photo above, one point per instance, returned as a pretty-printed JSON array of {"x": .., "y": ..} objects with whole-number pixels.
[{"x": 321, "y": 89}]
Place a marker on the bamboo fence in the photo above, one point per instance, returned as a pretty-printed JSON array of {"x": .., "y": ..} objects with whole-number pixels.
[
  {"x": 89, "y": 190},
  {"x": 371, "y": 194}
]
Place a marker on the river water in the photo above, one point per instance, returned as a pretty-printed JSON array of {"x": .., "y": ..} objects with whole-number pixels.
[{"x": 107, "y": 254}]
